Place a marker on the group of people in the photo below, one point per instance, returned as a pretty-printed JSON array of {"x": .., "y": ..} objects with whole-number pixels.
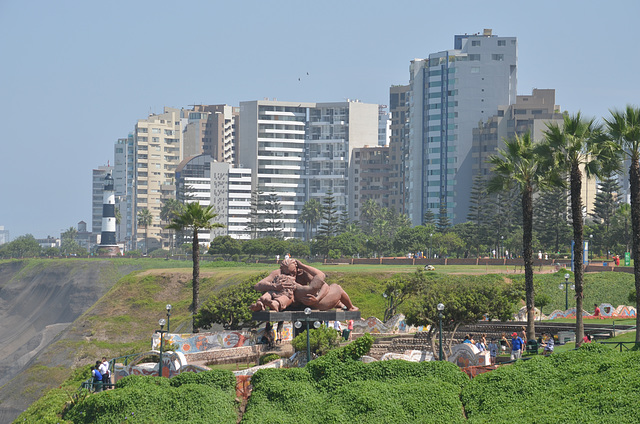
[
  {"x": 100, "y": 374},
  {"x": 346, "y": 333}
]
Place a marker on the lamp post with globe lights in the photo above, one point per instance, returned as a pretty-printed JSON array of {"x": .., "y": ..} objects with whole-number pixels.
[
  {"x": 565, "y": 287},
  {"x": 162, "y": 332},
  {"x": 298, "y": 324},
  {"x": 168, "y": 317}
]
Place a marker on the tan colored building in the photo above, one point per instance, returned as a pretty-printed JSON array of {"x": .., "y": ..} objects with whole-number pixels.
[
  {"x": 158, "y": 151},
  {"x": 212, "y": 130},
  {"x": 370, "y": 172}
]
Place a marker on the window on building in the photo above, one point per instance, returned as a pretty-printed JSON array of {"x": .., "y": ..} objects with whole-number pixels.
[
  {"x": 502, "y": 43},
  {"x": 499, "y": 57},
  {"x": 475, "y": 43},
  {"x": 475, "y": 70},
  {"x": 474, "y": 57}
]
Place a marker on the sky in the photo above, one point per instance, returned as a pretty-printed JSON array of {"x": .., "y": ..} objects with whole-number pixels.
[{"x": 76, "y": 75}]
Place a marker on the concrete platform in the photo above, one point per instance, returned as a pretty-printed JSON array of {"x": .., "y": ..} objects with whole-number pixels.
[{"x": 291, "y": 316}]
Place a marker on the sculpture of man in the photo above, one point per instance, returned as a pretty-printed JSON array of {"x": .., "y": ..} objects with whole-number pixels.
[{"x": 308, "y": 285}]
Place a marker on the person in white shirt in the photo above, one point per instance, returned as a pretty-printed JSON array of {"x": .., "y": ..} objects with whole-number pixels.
[{"x": 104, "y": 370}]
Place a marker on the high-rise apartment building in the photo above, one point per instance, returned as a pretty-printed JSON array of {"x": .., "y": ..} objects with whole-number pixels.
[
  {"x": 124, "y": 168},
  {"x": 299, "y": 151},
  {"x": 158, "y": 151},
  {"x": 370, "y": 173},
  {"x": 222, "y": 186},
  {"x": 530, "y": 113},
  {"x": 398, "y": 145},
  {"x": 451, "y": 91},
  {"x": 384, "y": 125},
  {"x": 212, "y": 130}
]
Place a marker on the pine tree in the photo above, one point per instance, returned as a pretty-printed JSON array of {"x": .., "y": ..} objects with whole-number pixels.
[
  {"x": 429, "y": 218},
  {"x": 329, "y": 223},
  {"x": 273, "y": 216},
  {"x": 604, "y": 209},
  {"x": 256, "y": 216},
  {"x": 551, "y": 220},
  {"x": 443, "y": 220}
]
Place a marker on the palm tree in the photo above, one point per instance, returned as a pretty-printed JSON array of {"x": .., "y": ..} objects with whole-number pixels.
[
  {"x": 518, "y": 165},
  {"x": 195, "y": 217},
  {"x": 170, "y": 209},
  {"x": 144, "y": 220},
  {"x": 310, "y": 215},
  {"x": 577, "y": 143},
  {"x": 624, "y": 129}
]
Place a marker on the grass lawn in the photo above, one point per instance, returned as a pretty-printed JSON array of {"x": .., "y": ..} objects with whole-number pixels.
[{"x": 233, "y": 367}]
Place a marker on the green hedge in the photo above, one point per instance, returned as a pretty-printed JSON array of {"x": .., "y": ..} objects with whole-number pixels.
[
  {"x": 336, "y": 388},
  {"x": 591, "y": 385},
  {"x": 207, "y": 398}
]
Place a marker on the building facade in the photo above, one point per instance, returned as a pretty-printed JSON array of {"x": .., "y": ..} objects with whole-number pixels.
[
  {"x": 370, "y": 173},
  {"x": 451, "y": 91},
  {"x": 226, "y": 188},
  {"x": 399, "y": 145},
  {"x": 301, "y": 151},
  {"x": 158, "y": 151}
]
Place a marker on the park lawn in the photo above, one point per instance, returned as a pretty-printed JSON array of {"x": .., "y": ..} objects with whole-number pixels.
[{"x": 604, "y": 321}]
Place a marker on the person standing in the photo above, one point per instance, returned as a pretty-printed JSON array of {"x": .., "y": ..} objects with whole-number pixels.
[
  {"x": 596, "y": 312},
  {"x": 104, "y": 370},
  {"x": 493, "y": 351},
  {"x": 348, "y": 330},
  {"x": 517, "y": 344},
  {"x": 96, "y": 377},
  {"x": 548, "y": 344},
  {"x": 337, "y": 327}
]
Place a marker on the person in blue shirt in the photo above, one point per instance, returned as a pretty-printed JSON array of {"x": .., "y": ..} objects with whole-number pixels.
[
  {"x": 97, "y": 377},
  {"x": 516, "y": 346}
]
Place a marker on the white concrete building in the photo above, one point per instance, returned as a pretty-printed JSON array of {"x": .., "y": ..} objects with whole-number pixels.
[
  {"x": 300, "y": 151},
  {"x": 226, "y": 188},
  {"x": 451, "y": 91}
]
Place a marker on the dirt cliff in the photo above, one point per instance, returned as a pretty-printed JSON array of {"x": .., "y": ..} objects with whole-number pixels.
[{"x": 39, "y": 299}]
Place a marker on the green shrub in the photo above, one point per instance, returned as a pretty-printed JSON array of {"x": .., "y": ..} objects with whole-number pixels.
[
  {"x": 321, "y": 340},
  {"x": 222, "y": 379},
  {"x": 590, "y": 385},
  {"x": 264, "y": 359},
  {"x": 142, "y": 381},
  {"x": 146, "y": 403}
]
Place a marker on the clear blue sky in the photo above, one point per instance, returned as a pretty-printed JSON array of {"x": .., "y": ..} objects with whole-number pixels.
[{"x": 76, "y": 75}]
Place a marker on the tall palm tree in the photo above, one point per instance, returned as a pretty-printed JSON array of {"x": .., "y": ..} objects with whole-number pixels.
[
  {"x": 624, "y": 129},
  {"x": 518, "y": 165},
  {"x": 311, "y": 215},
  {"x": 144, "y": 220},
  {"x": 577, "y": 143},
  {"x": 195, "y": 217},
  {"x": 170, "y": 209}
]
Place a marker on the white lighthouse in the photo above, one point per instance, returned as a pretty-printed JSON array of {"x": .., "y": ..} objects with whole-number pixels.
[{"x": 108, "y": 244}]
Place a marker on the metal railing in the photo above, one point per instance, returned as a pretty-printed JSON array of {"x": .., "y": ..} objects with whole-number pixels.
[{"x": 622, "y": 345}]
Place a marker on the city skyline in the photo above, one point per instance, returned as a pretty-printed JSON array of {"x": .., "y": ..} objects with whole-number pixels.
[{"x": 81, "y": 75}]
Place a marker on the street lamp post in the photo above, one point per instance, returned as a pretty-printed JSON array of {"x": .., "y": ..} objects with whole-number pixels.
[
  {"x": 440, "y": 309},
  {"x": 565, "y": 287},
  {"x": 161, "y": 331},
  {"x": 298, "y": 324},
  {"x": 168, "y": 317}
]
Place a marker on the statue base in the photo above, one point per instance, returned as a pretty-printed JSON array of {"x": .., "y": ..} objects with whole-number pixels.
[{"x": 292, "y": 316}]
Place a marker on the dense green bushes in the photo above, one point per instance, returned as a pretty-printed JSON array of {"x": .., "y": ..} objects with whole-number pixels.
[
  {"x": 337, "y": 388},
  {"x": 194, "y": 398},
  {"x": 591, "y": 385}
]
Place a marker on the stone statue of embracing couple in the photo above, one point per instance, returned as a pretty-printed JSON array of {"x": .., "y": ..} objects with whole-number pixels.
[{"x": 298, "y": 284}]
